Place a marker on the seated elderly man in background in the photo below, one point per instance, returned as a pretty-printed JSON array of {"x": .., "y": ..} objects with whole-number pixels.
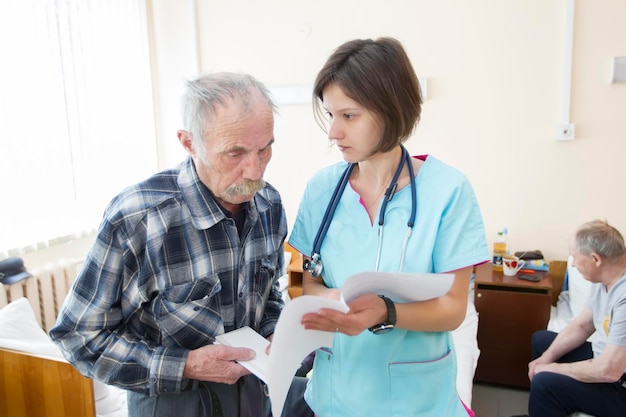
[{"x": 570, "y": 374}]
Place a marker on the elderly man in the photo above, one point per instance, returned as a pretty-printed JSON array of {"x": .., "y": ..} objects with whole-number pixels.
[
  {"x": 186, "y": 255},
  {"x": 570, "y": 374}
]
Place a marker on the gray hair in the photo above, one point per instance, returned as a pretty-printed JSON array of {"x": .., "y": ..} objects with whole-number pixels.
[
  {"x": 205, "y": 94},
  {"x": 599, "y": 237}
]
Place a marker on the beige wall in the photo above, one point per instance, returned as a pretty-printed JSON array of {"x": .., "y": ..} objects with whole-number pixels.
[{"x": 495, "y": 73}]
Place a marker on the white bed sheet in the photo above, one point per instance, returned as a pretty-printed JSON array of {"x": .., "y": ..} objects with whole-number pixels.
[{"x": 466, "y": 346}]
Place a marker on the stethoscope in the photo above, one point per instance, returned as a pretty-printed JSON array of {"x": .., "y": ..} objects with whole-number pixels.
[{"x": 314, "y": 265}]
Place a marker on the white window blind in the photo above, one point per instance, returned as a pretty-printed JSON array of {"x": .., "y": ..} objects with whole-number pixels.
[{"x": 76, "y": 114}]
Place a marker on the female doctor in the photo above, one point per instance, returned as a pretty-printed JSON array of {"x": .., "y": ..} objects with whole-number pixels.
[{"x": 383, "y": 210}]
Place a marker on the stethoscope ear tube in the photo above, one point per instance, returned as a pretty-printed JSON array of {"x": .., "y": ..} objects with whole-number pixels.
[{"x": 314, "y": 265}]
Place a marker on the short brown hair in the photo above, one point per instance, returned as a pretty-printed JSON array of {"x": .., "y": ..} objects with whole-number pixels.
[{"x": 378, "y": 75}]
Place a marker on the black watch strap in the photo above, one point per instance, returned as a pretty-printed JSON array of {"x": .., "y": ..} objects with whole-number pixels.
[{"x": 388, "y": 325}]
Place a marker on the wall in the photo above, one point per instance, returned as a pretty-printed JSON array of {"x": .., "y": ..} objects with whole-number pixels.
[{"x": 495, "y": 74}]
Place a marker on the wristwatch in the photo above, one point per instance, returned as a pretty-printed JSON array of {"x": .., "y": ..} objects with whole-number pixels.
[{"x": 388, "y": 325}]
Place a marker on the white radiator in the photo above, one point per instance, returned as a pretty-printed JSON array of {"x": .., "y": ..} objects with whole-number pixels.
[{"x": 46, "y": 290}]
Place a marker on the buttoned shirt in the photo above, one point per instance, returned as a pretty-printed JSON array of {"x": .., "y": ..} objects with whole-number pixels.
[{"x": 167, "y": 273}]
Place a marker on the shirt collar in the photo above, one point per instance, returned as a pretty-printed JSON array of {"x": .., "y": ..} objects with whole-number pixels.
[{"x": 205, "y": 211}]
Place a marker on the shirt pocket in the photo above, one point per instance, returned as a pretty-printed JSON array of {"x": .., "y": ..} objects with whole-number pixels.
[
  {"x": 188, "y": 314},
  {"x": 254, "y": 295},
  {"x": 422, "y": 388},
  {"x": 320, "y": 390},
  {"x": 264, "y": 278}
]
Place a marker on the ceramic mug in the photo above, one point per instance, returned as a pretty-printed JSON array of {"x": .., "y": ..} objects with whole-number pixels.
[{"x": 511, "y": 265}]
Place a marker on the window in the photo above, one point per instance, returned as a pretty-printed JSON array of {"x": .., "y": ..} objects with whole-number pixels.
[{"x": 76, "y": 114}]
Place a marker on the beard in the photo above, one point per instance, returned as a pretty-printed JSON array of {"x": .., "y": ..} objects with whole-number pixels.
[{"x": 245, "y": 189}]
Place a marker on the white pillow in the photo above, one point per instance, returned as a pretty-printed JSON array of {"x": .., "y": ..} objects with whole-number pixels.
[
  {"x": 20, "y": 331},
  {"x": 579, "y": 289},
  {"x": 287, "y": 261}
]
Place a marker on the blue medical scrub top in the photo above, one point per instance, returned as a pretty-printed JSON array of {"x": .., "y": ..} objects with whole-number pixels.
[{"x": 400, "y": 373}]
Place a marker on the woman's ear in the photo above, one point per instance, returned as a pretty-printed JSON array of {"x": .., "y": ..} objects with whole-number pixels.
[{"x": 185, "y": 139}]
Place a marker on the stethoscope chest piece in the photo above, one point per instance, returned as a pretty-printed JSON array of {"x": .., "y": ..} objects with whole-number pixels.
[{"x": 313, "y": 265}]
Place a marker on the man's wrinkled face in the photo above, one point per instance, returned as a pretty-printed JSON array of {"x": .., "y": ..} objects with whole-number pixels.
[{"x": 238, "y": 147}]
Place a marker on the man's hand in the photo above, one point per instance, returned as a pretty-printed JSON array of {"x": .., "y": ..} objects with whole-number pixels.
[
  {"x": 536, "y": 366},
  {"x": 216, "y": 363}
]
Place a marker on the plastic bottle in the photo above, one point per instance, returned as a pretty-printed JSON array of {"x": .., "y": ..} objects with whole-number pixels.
[{"x": 499, "y": 250}]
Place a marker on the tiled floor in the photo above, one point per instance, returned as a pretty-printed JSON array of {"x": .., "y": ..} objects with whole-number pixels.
[{"x": 496, "y": 401}]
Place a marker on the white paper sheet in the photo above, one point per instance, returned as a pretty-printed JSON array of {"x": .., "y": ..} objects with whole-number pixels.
[
  {"x": 292, "y": 343},
  {"x": 401, "y": 288},
  {"x": 247, "y": 337}
]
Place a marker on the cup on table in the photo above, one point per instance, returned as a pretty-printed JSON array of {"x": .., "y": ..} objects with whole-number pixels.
[{"x": 511, "y": 265}]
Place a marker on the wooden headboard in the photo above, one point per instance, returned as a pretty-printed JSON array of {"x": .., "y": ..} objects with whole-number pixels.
[
  {"x": 556, "y": 272},
  {"x": 32, "y": 385},
  {"x": 36, "y": 386}
]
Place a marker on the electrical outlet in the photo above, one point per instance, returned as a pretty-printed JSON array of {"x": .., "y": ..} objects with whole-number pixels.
[{"x": 565, "y": 131}]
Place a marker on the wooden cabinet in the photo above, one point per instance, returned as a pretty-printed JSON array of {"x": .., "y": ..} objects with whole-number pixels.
[
  {"x": 294, "y": 272},
  {"x": 510, "y": 310}
]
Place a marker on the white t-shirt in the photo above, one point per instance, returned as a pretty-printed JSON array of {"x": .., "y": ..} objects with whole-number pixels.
[{"x": 609, "y": 314}]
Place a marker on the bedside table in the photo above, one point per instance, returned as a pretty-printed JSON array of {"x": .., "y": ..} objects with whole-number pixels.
[
  {"x": 510, "y": 310},
  {"x": 294, "y": 272}
]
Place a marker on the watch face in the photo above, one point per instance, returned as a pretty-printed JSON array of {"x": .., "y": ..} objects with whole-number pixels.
[{"x": 382, "y": 328}]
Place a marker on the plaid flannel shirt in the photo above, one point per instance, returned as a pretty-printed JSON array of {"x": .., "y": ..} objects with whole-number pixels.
[{"x": 167, "y": 273}]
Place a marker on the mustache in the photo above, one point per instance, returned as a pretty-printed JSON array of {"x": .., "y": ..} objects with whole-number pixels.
[{"x": 245, "y": 188}]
